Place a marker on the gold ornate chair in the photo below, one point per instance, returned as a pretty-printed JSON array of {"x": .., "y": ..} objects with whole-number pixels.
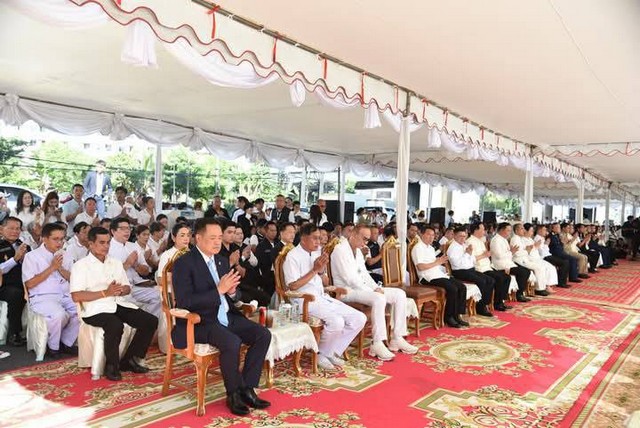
[
  {"x": 394, "y": 277},
  {"x": 286, "y": 296},
  {"x": 202, "y": 355},
  {"x": 436, "y": 314}
]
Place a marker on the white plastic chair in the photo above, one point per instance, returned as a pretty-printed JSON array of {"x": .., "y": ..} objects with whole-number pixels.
[
  {"x": 4, "y": 322},
  {"x": 91, "y": 347}
]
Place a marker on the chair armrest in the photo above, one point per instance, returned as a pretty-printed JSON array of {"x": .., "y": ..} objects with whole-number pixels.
[
  {"x": 192, "y": 319},
  {"x": 305, "y": 302}
]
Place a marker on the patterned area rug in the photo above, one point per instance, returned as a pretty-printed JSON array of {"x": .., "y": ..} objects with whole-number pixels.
[
  {"x": 618, "y": 287},
  {"x": 548, "y": 363}
]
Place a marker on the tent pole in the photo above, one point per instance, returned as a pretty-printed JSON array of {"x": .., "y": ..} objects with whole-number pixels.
[
  {"x": 527, "y": 208},
  {"x": 402, "y": 185},
  {"x": 341, "y": 192},
  {"x": 622, "y": 208},
  {"x": 157, "y": 179},
  {"x": 303, "y": 188},
  {"x": 580, "y": 204},
  {"x": 606, "y": 213}
]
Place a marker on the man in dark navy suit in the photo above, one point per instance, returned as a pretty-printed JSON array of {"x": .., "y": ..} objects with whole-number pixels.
[
  {"x": 557, "y": 250},
  {"x": 204, "y": 284}
]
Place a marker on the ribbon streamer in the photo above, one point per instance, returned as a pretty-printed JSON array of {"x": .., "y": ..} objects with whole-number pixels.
[{"x": 212, "y": 12}]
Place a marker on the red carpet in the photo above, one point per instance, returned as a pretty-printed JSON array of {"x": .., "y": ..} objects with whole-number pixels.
[
  {"x": 619, "y": 286},
  {"x": 548, "y": 363}
]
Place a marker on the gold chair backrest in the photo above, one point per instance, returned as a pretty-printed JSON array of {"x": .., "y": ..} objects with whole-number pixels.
[
  {"x": 169, "y": 299},
  {"x": 391, "y": 266},
  {"x": 331, "y": 245},
  {"x": 281, "y": 286},
  {"x": 413, "y": 273},
  {"x": 443, "y": 252}
]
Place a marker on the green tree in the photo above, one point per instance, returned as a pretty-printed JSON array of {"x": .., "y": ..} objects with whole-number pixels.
[
  {"x": 130, "y": 171},
  {"x": 492, "y": 202},
  {"x": 60, "y": 166},
  {"x": 13, "y": 168}
]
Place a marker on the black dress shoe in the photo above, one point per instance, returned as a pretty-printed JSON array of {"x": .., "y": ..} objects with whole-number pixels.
[
  {"x": 577, "y": 280},
  {"x": 70, "y": 350},
  {"x": 462, "y": 322},
  {"x": 17, "y": 340},
  {"x": 484, "y": 312},
  {"x": 501, "y": 308},
  {"x": 451, "y": 322},
  {"x": 583, "y": 276},
  {"x": 542, "y": 293},
  {"x": 593, "y": 270},
  {"x": 112, "y": 373},
  {"x": 236, "y": 405},
  {"x": 563, "y": 286},
  {"x": 520, "y": 298},
  {"x": 250, "y": 398},
  {"x": 53, "y": 353},
  {"x": 130, "y": 365}
]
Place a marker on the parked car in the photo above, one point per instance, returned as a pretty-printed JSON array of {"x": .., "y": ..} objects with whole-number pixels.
[{"x": 12, "y": 190}]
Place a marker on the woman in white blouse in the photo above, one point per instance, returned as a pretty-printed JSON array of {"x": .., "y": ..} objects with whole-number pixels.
[
  {"x": 26, "y": 209},
  {"x": 52, "y": 209},
  {"x": 179, "y": 240}
]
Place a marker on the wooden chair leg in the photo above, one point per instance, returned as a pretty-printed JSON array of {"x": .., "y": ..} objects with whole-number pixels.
[
  {"x": 314, "y": 362},
  {"x": 269, "y": 373},
  {"x": 202, "y": 367},
  {"x": 296, "y": 362},
  {"x": 168, "y": 373},
  {"x": 361, "y": 344}
]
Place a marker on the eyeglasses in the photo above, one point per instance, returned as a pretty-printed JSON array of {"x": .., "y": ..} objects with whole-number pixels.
[{"x": 125, "y": 228}]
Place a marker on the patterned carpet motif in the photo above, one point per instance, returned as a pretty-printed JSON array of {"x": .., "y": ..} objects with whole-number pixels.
[{"x": 553, "y": 362}]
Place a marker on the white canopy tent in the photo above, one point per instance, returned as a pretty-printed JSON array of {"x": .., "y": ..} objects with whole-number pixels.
[{"x": 544, "y": 79}]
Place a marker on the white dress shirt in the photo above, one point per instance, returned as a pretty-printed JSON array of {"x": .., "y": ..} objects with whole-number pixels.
[
  {"x": 36, "y": 262},
  {"x": 90, "y": 274},
  {"x": 459, "y": 258},
  {"x": 75, "y": 250},
  {"x": 479, "y": 247},
  {"x": 83, "y": 216},
  {"x": 144, "y": 217},
  {"x": 501, "y": 255},
  {"x": 521, "y": 256},
  {"x": 349, "y": 269},
  {"x": 120, "y": 252},
  {"x": 423, "y": 253},
  {"x": 297, "y": 264},
  {"x": 69, "y": 208},
  {"x": 115, "y": 210},
  {"x": 543, "y": 249}
]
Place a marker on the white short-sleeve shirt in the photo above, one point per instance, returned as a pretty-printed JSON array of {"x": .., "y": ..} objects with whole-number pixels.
[
  {"x": 423, "y": 253},
  {"x": 90, "y": 274}
]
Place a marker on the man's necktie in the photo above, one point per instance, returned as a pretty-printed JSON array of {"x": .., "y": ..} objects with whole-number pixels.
[{"x": 222, "y": 310}]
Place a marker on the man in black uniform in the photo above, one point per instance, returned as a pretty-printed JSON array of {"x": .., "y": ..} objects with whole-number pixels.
[{"x": 12, "y": 251}]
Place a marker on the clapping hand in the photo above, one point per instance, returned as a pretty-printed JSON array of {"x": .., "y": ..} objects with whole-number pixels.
[
  {"x": 132, "y": 259},
  {"x": 365, "y": 250},
  {"x": 469, "y": 249},
  {"x": 246, "y": 253},
  {"x": 514, "y": 248},
  {"x": 56, "y": 263},
  {"x": 234, "y": 258},
  {"x": 320, "y": 263},
  {"x": 229, "y": 282},
  {"x": 20, "y": 252},
  {"x": 443, "y": 259}
]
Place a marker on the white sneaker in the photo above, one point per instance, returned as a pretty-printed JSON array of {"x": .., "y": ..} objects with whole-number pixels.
[
  {"x": 402, "y": 345},
  {"x": 336, "y": 360},
  {"x": 379, "y": 350},
  {"x": 324, "y": 363}
]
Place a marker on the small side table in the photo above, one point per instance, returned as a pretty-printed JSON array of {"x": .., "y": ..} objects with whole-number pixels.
[{"x": 286, "y": 340}]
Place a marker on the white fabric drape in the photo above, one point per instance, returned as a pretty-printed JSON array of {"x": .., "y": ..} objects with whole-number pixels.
[
  {"x": 62, "y": 13},
  {"x": 298, "y": 93},
  {"x": 214, "y": 69},
  {"x": 395, "y": 121},
  {"x": 139, "y": 47}
]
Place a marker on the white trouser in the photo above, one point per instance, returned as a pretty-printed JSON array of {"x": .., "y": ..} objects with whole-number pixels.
[
  {"x": 552, "y": 273},
  {"x": 341, "y": 322},
  {"x": 539, "y": 271},
  {"x": 61, "y": 316},
  {"x": 395, "y": 297}
]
